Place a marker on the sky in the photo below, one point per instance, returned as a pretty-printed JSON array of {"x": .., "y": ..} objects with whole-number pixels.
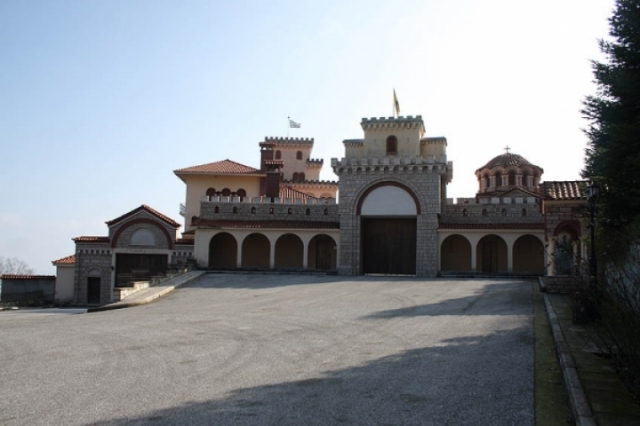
[{"x": 101, "y": 100}]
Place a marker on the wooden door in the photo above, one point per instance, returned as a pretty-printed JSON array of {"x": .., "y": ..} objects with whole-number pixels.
[
  {"x": 324, "y": 249},
  {"x": 489, "y": 257},
  {"x": 389, "y": 246},
  {"x": 93, "y": 290}
]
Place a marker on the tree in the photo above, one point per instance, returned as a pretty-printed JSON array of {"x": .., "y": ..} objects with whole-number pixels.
[
  {"x": 12, "y": 265},
  {"x": 613, "y": 153}
]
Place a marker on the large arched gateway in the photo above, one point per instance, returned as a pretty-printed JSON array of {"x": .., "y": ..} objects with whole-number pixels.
[
  {"x": 388, "y": 222},
  {"x": 223, "y": 250}
]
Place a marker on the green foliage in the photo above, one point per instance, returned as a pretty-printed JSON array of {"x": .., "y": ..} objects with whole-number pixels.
[{"x": 613, "y": 154}]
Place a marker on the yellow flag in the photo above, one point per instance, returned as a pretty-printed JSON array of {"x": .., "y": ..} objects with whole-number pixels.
[{"x": 396, "y": 104}]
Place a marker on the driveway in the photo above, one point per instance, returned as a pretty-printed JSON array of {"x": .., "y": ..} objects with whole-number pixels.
[{"x": 280, "y": 350}]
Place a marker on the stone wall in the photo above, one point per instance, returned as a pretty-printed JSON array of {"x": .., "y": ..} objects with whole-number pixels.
[
  {"x": 266, "y": 210},
  {"x": 560, "y": 284},
  {"x": 492, "y": 213},
  {"x": 18, "y": 288},
  {"x": 568, "y": 212},
  {"x": 92, "y": 260}
]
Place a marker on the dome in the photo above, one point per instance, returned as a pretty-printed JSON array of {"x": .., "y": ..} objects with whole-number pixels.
[{"x": 506, "y": 160}]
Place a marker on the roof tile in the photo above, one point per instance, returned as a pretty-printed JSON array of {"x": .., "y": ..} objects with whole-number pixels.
[
  {"x": 565, "y": 190},
  {"x": 69, "y": 260},
  {"x": 147, "y": 209},
  {"x": 219, "y": 167}
]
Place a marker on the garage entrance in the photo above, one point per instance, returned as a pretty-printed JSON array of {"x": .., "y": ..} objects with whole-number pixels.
[{"x": 389, "y": 246}]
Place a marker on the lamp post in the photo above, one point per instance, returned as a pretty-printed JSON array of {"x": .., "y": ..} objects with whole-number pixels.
[{"x": 593, "y": 191}]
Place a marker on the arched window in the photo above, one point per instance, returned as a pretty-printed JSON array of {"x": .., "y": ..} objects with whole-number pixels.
[
  {"x": 484, "y": 212},
  {"x": 271, "y": 210},
  {"x": 216, "y": 210},
  {"x": 211, "y": 192},
  {"x": 289, "y": 211},
  {"x": 512, "y": 179},
  {"x": 295, "y": 177},
  {"x": 464, "y": 212},
  {"x": 278, "y": 155},
  {"x": 307, "y": 212},
  {"x": 524, "y": 212},
  {"x": 253, "y": 210},
  {"x": 392, "y": 145},
  {"x": 504, "y": 212},
  {"x": 299, "y": 155},
  {"x": 525, "y": 179},
  {"x": 301, "y": 177},
  {"x": 235, "y": 210},
  {"x": 226, "y": 192},
  {"x": 241, "y": 193},
  {"x": 498, "y": 179},
  {"x": 326, "y": 212}
]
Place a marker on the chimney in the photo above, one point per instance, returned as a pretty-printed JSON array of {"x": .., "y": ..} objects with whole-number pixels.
[{"x": 273, "y": 183}]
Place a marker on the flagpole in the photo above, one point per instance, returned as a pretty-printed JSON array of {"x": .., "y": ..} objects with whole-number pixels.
[{"x": 288, "y": 126}]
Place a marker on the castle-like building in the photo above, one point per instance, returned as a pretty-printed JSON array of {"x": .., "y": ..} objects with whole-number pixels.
[{"x": 388, "y": 213}]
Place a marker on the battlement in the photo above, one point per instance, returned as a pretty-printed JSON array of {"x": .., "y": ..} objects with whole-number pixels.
[
  {"x": 267, "y": 208},
  {"x": 353, "y": 142},
  {"x": 315, "y": 162},
  {"x": 493, "y": 200},
  {"x": 272, "y": 141},
  {"x": 437, "y": 140},
  {"x": 383, "y": 123}
]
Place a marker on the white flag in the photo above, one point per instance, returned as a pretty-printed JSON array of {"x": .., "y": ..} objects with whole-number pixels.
[{"x": 293, "y": 124}]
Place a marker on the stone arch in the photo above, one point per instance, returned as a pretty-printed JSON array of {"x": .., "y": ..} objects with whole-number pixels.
[
  {"x": 289, "y": 251},
  {"x": 322, "y": 252},
  {"x": 256, "y": 249},
  {"x": 455, "y": 254},
  {"x": 571, "y": 227},
  {"x": 118, "y": 233},
  {"x": 223, "y": 251},
  {"x": 528, "y": 255},
  {"x": 491, "y": 255},
  {"x": 381, "y": 184}
]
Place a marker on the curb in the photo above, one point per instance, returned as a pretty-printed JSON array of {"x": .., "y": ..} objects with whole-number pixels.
[
  {"x": 578, "y": 400},
  {"x": 149, "y": 299}
]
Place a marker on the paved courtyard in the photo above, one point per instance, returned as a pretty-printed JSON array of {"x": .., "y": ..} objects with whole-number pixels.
[{"x": 280, "y": 350}]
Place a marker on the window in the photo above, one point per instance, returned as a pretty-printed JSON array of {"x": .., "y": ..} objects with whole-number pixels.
[
  {"x": 326, "y": 212},
  {"x": 484, "y": 212},
  {"x": 295, "y": 177},
  {"x": 392, "y": 145},
  {"x": 307, "y": 212},
  {"x": 299, "y": 155},
  {"x": 278, "y": 155},
  {"x": 226, "y": 192},
  {"x": 498, "y": 179},
  {"x": 235, "y": 210},
  {"x": 524, "y": 212},
  {"x": 512, "y": 179},
  {"x": 525, "y": 179},
  {"x": 253, "y": 210},
  {"x": 211, "y": 192},
  {"x": 504, "y": 212},
  {"x": 216, "y": 210},
  {"x": 464, "y": 212},
  {"x": 289, "y": 211},
  {"x": 241, "y": 193},
  {"x": 271, "y": 210}
]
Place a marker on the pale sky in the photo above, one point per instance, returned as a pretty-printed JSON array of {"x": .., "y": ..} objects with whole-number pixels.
[{"x": 101, "y": 100}]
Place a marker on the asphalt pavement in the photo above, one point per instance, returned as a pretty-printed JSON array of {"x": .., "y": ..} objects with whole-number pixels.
[{"x": 232, "y": 349}]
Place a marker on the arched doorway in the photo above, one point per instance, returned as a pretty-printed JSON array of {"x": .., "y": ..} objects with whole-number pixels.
[
  {"x": 255, "y": 251},
  {"x": 388, "y": 214},
  {"x": 322, "y": 252},
  {"x": 492, "y": 255},
  {"x": 528, "y": 255},
  {"x": 289, "y": 251},
  {"x": 455, "y": 254},
  {"x": 223, "y": 251}
]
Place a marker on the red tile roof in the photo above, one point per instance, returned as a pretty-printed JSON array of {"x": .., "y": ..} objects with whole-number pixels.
[
  {"x": 516, "y": 226},
  {"x": 565, "y": 190},
  {"x": 288, "y": 192},
  {"x": 27, "y": 277},
  {"x": 69, "y": 260},
  {"x": 91, "y": 239},
  {"x": 268, "y": 224},
  {"x": 506, "y": 160},
  {"x": 226, "y": 167},
  {"x": 146, "y": 208},
  {"x": 185, "y": 241}
]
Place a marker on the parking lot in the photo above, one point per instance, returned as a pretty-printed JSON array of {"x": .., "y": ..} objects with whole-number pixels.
[{"x": 233, "y": 349}]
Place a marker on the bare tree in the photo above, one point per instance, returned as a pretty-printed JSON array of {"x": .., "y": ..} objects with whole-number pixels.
[{"x": 12, "y": 265}]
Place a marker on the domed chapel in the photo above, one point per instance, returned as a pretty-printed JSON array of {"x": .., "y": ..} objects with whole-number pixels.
[{"x": 387, "y": 213}]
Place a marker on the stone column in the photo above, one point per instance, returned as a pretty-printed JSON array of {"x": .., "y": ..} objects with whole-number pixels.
[
  {"x": 272, "y": 255},
  {"x": 510, "y": 256},
  {"x": 305, "y": 254},
  {"x": 239, "y": 255}
]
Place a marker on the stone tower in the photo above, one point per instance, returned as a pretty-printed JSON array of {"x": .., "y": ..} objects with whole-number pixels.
[{"x": 392, "y": 185}]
